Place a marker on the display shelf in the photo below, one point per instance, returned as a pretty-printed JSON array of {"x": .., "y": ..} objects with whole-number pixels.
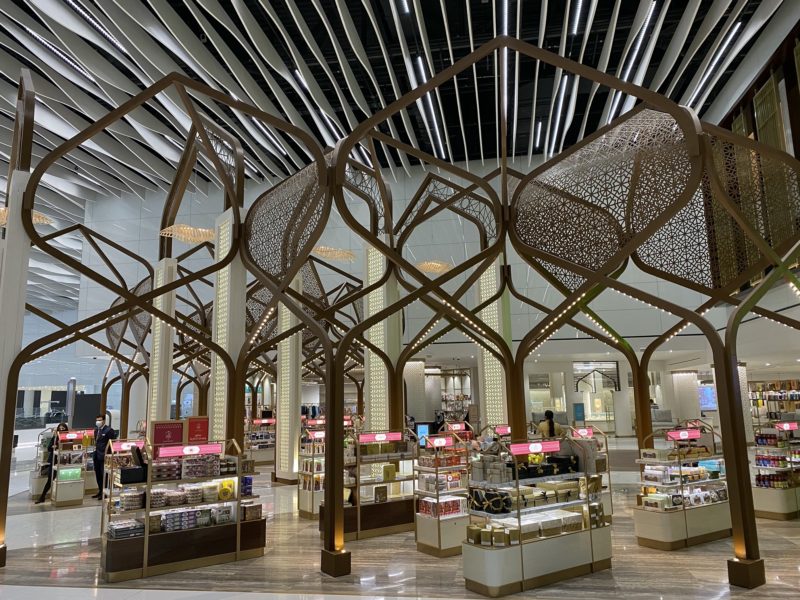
[
  {"x": 776, "y": 490},
  {"x": 260, "y": 441},
  {"x": 520, "y": 547},
  {"x": 443, "y": 469},
  {"x": 310, "y": 481},
  {"x": 684, "y": 510},
  {"x": 211, "y": 532}
]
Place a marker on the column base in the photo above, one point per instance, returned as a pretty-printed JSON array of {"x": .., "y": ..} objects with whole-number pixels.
[
  {"x": 335, "y": 564},
  {"x": 3, "y": 553},
  {"x": 746, "y": 573}
]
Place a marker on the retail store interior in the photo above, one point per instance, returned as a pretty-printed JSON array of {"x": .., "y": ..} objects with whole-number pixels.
[{"x": 392, "y": 298}]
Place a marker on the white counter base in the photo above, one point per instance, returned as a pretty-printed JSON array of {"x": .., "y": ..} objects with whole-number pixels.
[
  {"x": 308, "y": 503},
  {"x": 671, "y": 530},
  {"x": 780, "y": 505},
  {"x": 499, "y": 571},
  {"x": 441, "y": 537}
]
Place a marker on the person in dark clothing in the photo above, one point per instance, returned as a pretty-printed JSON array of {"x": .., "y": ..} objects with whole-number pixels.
[
  {"x": 51, "y": 453},
  {"x": 102, "y": 435}
]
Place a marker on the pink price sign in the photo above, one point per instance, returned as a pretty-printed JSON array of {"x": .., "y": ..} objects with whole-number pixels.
[
  {"x": 583, "y": 432},
  {"x": 389, "y": 436},
  {"x": 440, "y": 442},
  {"x": 202, "y": 449},
  {"x": 535, "y": 447},
  {"x": 788, "y": 426},
  {"x": 460, "y": 426},
  {"x": 502, "y": 429},
  {"x": 679, "y": 435},
  {"x": 125, "y": 445}
]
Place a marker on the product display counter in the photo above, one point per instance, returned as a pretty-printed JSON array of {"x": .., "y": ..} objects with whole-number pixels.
[
  {"x": 684, "y": 495},
  {"x": 172, "y": 508},
  {"x": 547, "y": 524},
  {"x": 378, "y": 481},
  {"x": 775, "y": 462},
  {"x": 311, "y": 476},
  {"x": 73, "y": 471},
  {"x": 260, "y": 441}
]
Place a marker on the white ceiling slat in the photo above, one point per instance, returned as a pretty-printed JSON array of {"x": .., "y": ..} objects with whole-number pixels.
[
  {"x": 542, "y": 29},
  {"x": 557, "y": 81},
  {"x": 644, "y": 62},
  {"x": 514, "y": 102},
  {"x": 475, "y": 79},
  {"x": 712, "y": 18},
  {"x": 455, "y": 81},
  {"x": 676, "y": 43}
]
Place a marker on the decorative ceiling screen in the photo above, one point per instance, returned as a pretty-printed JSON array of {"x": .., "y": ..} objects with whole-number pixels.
[{"x": 769, "y": 123}]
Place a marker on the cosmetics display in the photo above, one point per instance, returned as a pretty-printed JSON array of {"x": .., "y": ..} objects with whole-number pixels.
[
  {"x": 442, "y": 477},
  {"x": 260, "y": 441},
  {"x": 683, "y": 500},
  {"x": 549, "y": 522},
  {"x": 775, "y": 466},
  {"x": 378, "y": 483},
  {"x": 187, "y": 512}
]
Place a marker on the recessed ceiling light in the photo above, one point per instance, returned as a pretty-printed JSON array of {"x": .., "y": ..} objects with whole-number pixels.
[
  {"x": 472, "y": 356},
  {"x": 766, "y": 364}
]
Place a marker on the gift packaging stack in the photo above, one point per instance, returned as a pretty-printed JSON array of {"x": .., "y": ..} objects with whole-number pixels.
[
  {"x": 429, "y": 482},
  {"x": 447, "y": 506},
  {"x": 166, "y": 470},
  {"x": 196, "y": 467},
  {"x": 125, "y": 529}
]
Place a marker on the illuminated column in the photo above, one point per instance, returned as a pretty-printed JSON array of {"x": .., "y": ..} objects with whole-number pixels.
[
  {"x": 376, "y": 383},
  {"x": 491, "y": 376},
  {"x": 749, "y": 434},
  {"x": 290, "y": 361},
  {"x": 686, "y": 394},
  {"x": 228, "y": 327},
  {"x": 159, "y": 393},
  {"x": 417, "y": 400}
]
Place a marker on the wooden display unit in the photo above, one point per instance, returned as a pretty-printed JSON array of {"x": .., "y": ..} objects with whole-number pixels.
[
  {"x": 442, "y": 512},
  {"x": 133, "y": 551},
  {"x": 380, "y": 495},
  {"x": 311, "y": 476},
  {"x": 684, "y": 496},
  {"x": 544, "y": 538},
  {"x": 776, "y": 472}
]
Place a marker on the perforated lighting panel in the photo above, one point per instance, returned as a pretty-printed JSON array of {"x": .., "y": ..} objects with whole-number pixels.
[
  {"x": 287, "y": 429},
  {"x": 160, "y": 380},
  {"x": 376, "y": 392},
  {"x": 769, "y": 123},
  {"x": 220, "y": 333},
  {"x": 492, "y": 387}
]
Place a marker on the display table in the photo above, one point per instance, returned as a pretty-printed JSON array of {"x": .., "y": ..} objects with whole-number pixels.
[
  {"x": 680, "y": 528},
  {"x": 441, "y": 537},
  {"x": 494, "y": 571},
  {"x": 777, "y": 504}
]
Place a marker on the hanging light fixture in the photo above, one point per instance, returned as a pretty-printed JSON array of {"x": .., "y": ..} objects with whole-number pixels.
[
  {"x": 334, "y": 253},
  {"x": 434, "y": 266},
  {"x": 38, "y": 218},
  {"x": 188, "y": 234}
]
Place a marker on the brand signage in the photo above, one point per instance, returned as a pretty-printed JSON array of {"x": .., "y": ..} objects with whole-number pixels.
[
  {"x": 440, "y": 442},
  {"x": 502, "y": 429},
  {"x": 193, "y": 450},
  {"x": 535, "y": 447},
  {"x": 167, "y": 433},
  {"x": 197, "y": 430},
  {"x": 315, "y": 422},
  {"x": 583, "y": 432},
  {"x": 788, "y": 426},
  {"x": 389, "y": 436},
  {"x": 679, "y": 435},
  {"x": 459, "y": 426},
  {"x": 317, "y": 435},
  {"x": 125, "y": 445}
]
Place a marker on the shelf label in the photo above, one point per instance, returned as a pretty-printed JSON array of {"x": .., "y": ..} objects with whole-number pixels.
[
  {"x": 199, "y": 450},
  {"x": 502, "y": 429},
  {"x": 788, "y": 426},
  {"x": 535, "y": 447},
  {"x": 317, "y": 435},
  {"x": 583, "y": 432},
  {"x": 440, "y": 442},
  {"x": 456, "y": 426},
  {"x": 679, "y": 435},
  {"x": 126, "y": 445},
  {"x": 389, "y": 436}
]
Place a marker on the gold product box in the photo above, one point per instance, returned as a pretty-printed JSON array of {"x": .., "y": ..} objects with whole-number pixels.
[
  {"x": 486, "y": 537},
  {"x": 474, "y": 534},
  {"x": 513, "y": 536},
  {"x": 389, "y": 472},
  {"x": 499, "y": 537}
]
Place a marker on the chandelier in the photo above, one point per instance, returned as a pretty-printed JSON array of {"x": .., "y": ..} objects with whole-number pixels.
[
  {"x": 188, "y": 234},
  {"x": 334, "y": 253},
  {"x": 38, "y": 218},
  {"x": 434, "y": 266}
]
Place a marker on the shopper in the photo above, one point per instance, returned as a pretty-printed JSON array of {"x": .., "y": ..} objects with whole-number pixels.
[
  {"x": 549, "y": 428},
  {"x": 51, "y": 453},
  {"x": 102, "y": 435}
]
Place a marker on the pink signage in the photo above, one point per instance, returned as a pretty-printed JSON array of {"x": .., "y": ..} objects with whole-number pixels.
[
  {"x": 263, "y": 421},
  {"x": 389, "y": 436},
  {"x": 583, "y": 432},
  {"x": 316, "y": 435},
  {"x": 789, "y": 426},
  {"x": 125, "y": 445},
  {"x": 502, "y": 429},
  {"x": 460, "y": 426},
  {"x": 313, "y": 422},
  {"x": 535, "y": 447},
  {"x": 679, "y": 435},
  {"x": 173, "y": 451},
  {"x": 440, "y": 442}
]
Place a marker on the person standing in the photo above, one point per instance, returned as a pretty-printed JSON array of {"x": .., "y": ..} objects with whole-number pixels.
[
  {"x": 51, "y": 453},
  {"x": 102, "y": 435},
  {"x": 549, "y": 428}
]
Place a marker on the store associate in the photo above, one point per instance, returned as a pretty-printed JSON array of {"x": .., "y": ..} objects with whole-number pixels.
[{"x": 102, "y": 435}]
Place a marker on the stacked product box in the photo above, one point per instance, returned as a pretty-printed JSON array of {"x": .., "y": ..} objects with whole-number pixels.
[
  {"x": 430, "y": 482},
  {"x": 125, "y": 529},
  {"x": 166, "y": 470},
  {"x": 446, "y": 506}
]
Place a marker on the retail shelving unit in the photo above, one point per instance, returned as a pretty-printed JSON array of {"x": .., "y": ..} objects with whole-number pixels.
[
  {"x": 37, "y": 478},
  {"x": 684, "y": 497},
  {"x": 379, "y": 474},
  {"x": 73, "y": 472},
  {"x": 185, "y": 514},
  {"x": 442, "y": 494},
  {"x": 311, "y": 476},
  {"x": 260, "y": 441},
  {"x": 546, "y": 525},
  {"x": 776, "y": 472}
]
